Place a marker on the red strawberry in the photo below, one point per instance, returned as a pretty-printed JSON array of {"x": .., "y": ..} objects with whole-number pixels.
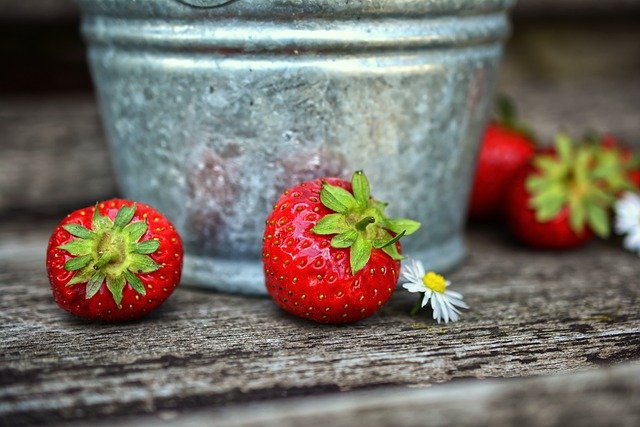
[
  {"x": 564, "y": 196},
  {"x": 330, "y": 254},
  {"x": 507, "y": 146},
  {"x": 502, "y": 154},
  {"x": 523, "y": 223},
  {"x": 113, "y": 262}
]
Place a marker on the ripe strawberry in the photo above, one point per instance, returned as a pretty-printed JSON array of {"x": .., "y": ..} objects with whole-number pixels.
[
  {"x": 329, "y": 253},
  {"x": 555, "y": 233},
  {"x": 564, "y": 196},
  {"x": 507, "y": 146},
  {"x": 115, "y": 261}
]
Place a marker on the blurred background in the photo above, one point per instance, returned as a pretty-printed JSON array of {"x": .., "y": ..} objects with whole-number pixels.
[{"x": 570, "y": 64}]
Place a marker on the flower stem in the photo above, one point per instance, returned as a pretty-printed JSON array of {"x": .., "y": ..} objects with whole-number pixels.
[{"x": 417, "y": 305}]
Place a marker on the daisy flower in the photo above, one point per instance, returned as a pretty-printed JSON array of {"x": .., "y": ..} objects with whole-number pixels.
[
  {"x": 628, "y": 220},
  {"x": 433, "y": 287}
]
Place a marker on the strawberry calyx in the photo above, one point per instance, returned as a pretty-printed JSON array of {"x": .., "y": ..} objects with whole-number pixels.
[
  {"x": 110, "y": 251},
  {"x": 582, "y": 177},
  {"x": 359, "y": 222}
]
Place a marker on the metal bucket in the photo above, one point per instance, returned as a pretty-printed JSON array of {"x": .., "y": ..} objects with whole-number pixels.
[{"x": 212, "y": 108}]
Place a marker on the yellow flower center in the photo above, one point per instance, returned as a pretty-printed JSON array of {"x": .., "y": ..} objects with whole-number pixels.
[{"x": 435, "y": 282}]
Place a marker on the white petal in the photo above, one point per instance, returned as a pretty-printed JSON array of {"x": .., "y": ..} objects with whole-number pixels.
[
  {"x": 445, "y": 309},
  {"x": 427, "y": 295},
  {"x": 632, "y": 241},
  {"x": 411, "y": 272},
  {"x": 450, "y": 307},
  {"x": 454, "y": 294},
  {"x": 627, "y": 213},
  {"x": 414, "y": 287},
  {"x": 436, "y": 304},
  {"x": 436, "y": 309},
  {"x": 456, "y": 301},
  {"x": 419, "y": 269}
]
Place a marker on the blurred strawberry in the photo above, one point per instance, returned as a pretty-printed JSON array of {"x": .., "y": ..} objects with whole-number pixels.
[
  {"x": 507, "y": 146},
  {"x": 565, "y": 195}
]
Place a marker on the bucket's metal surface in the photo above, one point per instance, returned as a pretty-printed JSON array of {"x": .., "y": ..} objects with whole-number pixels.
[{"x": 212, "y": 108}]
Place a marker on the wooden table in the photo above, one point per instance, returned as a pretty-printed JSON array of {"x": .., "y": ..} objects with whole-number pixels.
[{"x": 570, "y": 319}]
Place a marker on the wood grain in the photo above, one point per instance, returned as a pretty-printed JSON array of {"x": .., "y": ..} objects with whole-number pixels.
[
  {"x": 532, "y": 314},
  {"x": 53, "y": 155},
  {"x": 600, "y": 397}
]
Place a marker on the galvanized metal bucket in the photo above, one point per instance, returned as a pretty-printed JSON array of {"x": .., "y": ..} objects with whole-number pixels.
[{"x": 212, "y": 108}]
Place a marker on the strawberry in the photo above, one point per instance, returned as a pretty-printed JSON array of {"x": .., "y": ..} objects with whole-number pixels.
[
  {"x": 330, "y": 254},
  {"x": 507, "y": 146},
  {"x": 555, "y": 233},
  {"x": 115, "y": 261},
  {"x": 564, "y": 195}
]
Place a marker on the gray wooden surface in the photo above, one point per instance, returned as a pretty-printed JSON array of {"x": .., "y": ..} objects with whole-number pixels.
[
  {"x": 605, "y": 397},
  {"x": 532, "y": 314}
]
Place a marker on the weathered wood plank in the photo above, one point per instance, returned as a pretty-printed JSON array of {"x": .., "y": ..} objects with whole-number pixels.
[
  {"x": 533, "y": 314},
  {"x": 53, "y": 155},
  {"x": 605, "y": 397}
]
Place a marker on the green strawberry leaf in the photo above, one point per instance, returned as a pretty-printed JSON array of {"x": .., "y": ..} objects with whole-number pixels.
[
  {"x": 582, "y": 167},
  {"x": 331, "y": 224},
  {"x": 577, "y": 214},
  {"x": 598, "y": 220},
  {"x": 361, "y": 189},
  {"x": 383, "y": 243},
  {"x": 564, "y": 147},
  {"x": 360, "y": 253},
  {"x": 551, "y": 199},
  {"x": 124, "y": 216},
  {"x": 78, "y": 247},
  {"x": 146, "y": 247},
  {"x": 337, "y": 198},
  {"x": 78, "y": 230},
  {"x": 548, "y": 211},
  {"x": 81, "y": 277},
  {"x": 536, "y": 183},
  {"x": 401, "y": 225},
  {"x": 94, "y": 284},
  {"x": 142, "y": 264},
  {"x": 135, "y": 230},
  {"x": 135, "y": 282},
  {"x": 116, "y": 286},
  {"x": 77, "y": 263},
  {"x": 344, "y": 240},
  {"x": 99, "y": 222}
]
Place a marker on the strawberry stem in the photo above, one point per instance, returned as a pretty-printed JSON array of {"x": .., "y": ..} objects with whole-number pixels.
[
  {"x": 105, "y": 259},
  {"x": 362, "y": 224}
]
